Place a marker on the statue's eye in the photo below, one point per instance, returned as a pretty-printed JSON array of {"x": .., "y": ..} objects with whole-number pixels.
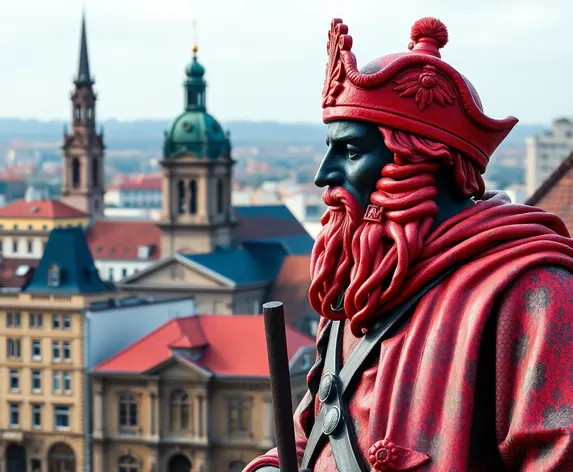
[{"x": 353, "y": 152}]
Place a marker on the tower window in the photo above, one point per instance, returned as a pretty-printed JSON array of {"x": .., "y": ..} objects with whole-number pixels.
[
  {"x": 191, "y": 97},
  {"x": 220, "y": 196},
  {"x": 181, "y": 197},
  {"x": 90, "y": 113},
  {"x": 95, "y": 170},
  {"x": 78, "y": 113},
  {"x": 193, "y": 197},
  {"x": 54, "y": 276},
  {"x": 76, "y": 172}
]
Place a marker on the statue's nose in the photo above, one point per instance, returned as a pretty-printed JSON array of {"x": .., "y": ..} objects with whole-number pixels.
[{"x": 329, "y": 174}]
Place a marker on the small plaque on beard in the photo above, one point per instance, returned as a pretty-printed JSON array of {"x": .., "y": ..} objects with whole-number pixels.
[{"x": 373, "y": 213}]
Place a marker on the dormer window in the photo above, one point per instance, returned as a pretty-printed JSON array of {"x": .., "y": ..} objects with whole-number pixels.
[
  {"x": 193, "y": 353},
  {"x": 144, "y": 252},
  {"x": 54, "y": 276}
]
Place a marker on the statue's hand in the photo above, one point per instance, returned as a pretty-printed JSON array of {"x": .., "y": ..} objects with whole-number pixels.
[{"x": 270, "y": 468}]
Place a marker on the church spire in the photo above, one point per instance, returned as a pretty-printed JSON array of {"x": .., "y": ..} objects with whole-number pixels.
[
  {"x": 84, "y": 77},
  {"x": 83, "y": 184}
]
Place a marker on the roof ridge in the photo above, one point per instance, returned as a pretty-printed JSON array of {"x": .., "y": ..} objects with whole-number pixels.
[{"x": 550, "y": 182}]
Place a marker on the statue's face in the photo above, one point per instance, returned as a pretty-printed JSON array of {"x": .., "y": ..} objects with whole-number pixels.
[{"x": 355, "y": 157}]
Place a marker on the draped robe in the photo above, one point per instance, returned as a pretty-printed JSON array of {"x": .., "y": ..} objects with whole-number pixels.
[{"x": 481, "y": 377}]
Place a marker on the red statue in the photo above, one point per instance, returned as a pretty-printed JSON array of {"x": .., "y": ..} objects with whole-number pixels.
[{"x": 446, "y": 340}]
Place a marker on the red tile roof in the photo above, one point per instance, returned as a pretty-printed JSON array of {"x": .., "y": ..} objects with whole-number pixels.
[
  {"x": 555, "y": 195},
  {"x": 40, "y": 209},
  {"x": 140, "y": 182},
  {"x": 9, "y": 278},
  {"x": 236, "y": 346},
  {"x": 291, "y": 288},
  {"x": 11, "y": 177},
  {"x": 551, "y": 181},
  {"x": 121, "y": 239}
]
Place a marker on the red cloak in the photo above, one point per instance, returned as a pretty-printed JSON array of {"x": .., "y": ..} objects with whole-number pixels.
[{"x": 481, "y": 378}]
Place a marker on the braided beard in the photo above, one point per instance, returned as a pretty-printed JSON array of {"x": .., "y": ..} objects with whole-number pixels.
[{"x": 368, "y": 259}]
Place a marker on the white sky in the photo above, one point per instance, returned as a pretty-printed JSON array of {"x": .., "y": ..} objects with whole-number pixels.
[{"x": 265, "y": 58}]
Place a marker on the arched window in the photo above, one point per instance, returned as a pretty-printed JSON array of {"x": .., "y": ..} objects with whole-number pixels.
[
  {"x": 76, "y": 172},
  {"x": 181, "y": 197},
  {"x": 179, "y": 463},
  {"x": 61, "y": 457},
  {"x": 191, "y": 97},
  {"x": 220, "y": 196},
  {"x": 78, "y": 113},
  {"x": 95, "y": 172},
  {"x": 90, "y": 113},
  {"x": 193, "y": 197},
  {"x": 179, "y": 411},
  {"x": 127, "y": 463},
  {"x": 237, "y": 466}
]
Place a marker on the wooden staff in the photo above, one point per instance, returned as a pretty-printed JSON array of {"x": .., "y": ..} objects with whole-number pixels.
[{"x": 280, "y": 385}]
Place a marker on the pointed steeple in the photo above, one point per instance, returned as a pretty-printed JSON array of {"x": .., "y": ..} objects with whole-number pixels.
[
  {"x": 84, "y": 77},
  {"x": 83, "y": 186}
]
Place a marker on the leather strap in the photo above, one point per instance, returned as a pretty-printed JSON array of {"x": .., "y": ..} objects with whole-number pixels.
[{"x": 343, "y": 441}]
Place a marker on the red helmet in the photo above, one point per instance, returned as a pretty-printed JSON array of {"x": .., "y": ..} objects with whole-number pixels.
[{"x": 413, "y": 91}]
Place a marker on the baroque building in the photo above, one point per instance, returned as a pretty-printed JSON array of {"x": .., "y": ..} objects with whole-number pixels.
[
  {"x": 43, "y": 418},
  {"x": 193, "y": 395},
  {"x": 83, "y": 184},
  {"x": 197, "y": 216},
  {"x": 228, "y": 258}
]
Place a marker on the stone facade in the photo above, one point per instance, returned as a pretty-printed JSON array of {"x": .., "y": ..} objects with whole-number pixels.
[{"x": 177, "y": 416}]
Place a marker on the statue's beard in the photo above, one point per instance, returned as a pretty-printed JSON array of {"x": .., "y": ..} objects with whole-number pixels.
[{"x": 366, "y": 262}]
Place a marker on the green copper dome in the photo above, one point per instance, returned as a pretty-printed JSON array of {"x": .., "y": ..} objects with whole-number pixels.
[
  {"x": 195, "y": 131},
  {"x": 194, "y": 69}
]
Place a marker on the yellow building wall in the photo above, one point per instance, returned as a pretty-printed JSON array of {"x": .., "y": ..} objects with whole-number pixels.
[
  {"x": 40, "y": 439},
  {"x": 41, "y": 224}
]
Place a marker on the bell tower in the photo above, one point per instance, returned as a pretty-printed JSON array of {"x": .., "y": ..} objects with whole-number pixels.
[
  {"x": 197, "y": 215},
  {"x": 83, "y": 185}
]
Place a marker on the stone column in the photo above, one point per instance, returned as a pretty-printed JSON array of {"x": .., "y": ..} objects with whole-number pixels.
[
  {"x": 268, "y": 421},
  {"x": 152, "y": 406},
  {"x": 198, "y": 416},
  {"x": 84, "y": 174},
  {"x": 202, "y": 198},
  {"x": 98, "y": 412},
  {"x": 156, "y": 416},
  {"x": 98, "y": 459},
  {"x": 154, "y": 465},
  {"x": 167, "y": 192},
  {"x": 205, "y": 416},
  {"x": 201, "y": 457}
]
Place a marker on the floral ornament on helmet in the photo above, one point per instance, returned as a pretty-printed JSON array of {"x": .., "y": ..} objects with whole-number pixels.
[{"x": 426, "y": 86}]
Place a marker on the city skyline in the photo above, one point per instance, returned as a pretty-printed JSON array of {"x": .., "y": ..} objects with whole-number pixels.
[{"x": 138, "y": 52}]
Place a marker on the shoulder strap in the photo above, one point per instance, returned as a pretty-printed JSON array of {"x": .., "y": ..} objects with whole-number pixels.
[{"x": 344, "y": 437}]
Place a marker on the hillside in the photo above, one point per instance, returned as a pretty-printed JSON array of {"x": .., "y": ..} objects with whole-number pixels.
[{"x": 147, "y": 135}]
